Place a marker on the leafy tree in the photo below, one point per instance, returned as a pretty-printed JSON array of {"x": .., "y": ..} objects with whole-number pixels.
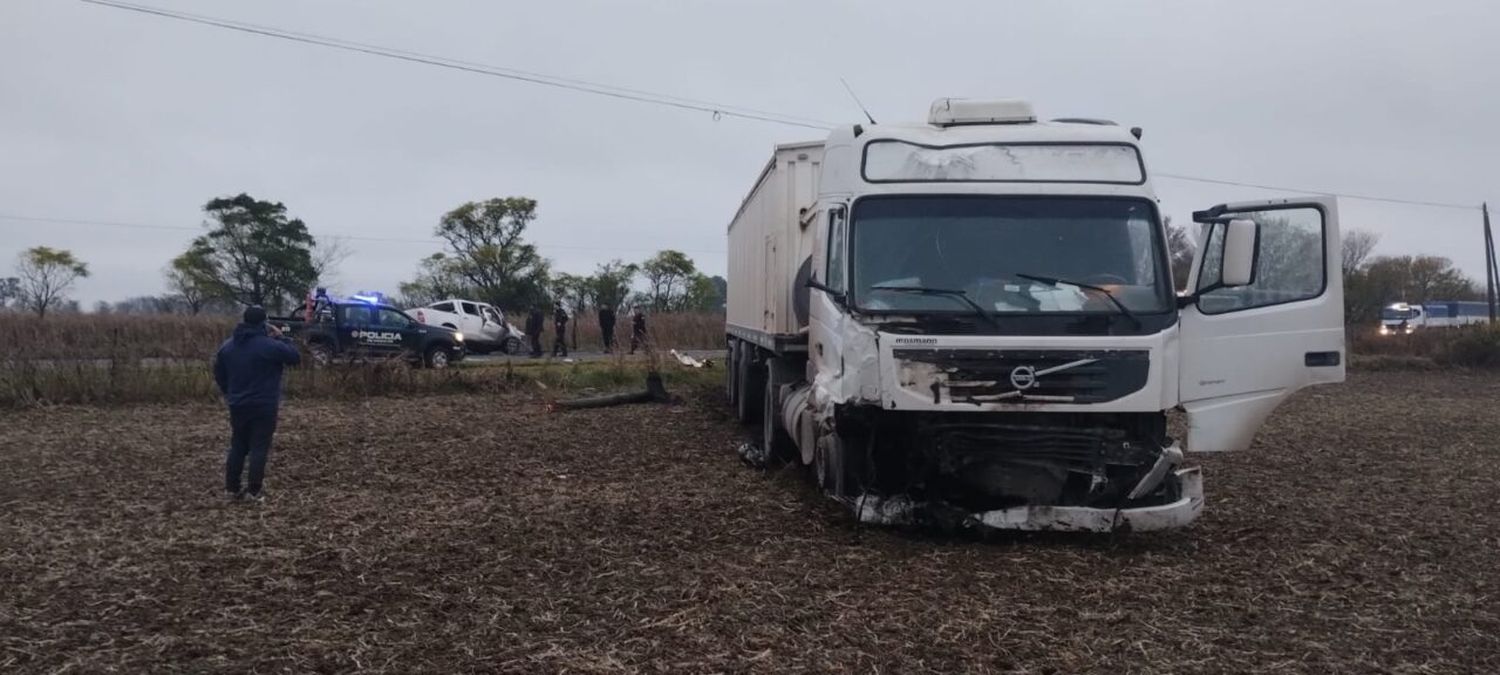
[
  {"x": 191, "y": 276},
  {"x": 45, "y": 276},
  {"x": 609, "y": 285},
  {"x": 486, "y": 252},
  {"x": 704, "y": 294},
  {"x": 669, "y": 278},
  {"x": 254, "y": 253},
  {"x": 437, "y": 279}
]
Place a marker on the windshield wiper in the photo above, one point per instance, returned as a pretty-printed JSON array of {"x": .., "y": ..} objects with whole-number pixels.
[
  {"x": 1054, "y": 281},
  {"x": 946, "y": 292}
]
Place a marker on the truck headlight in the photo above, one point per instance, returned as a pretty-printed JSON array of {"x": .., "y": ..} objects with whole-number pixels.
[{"x": 458, "y": 336}]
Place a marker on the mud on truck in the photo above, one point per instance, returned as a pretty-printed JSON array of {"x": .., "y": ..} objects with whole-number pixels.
[{"x": 976, "y": 317}]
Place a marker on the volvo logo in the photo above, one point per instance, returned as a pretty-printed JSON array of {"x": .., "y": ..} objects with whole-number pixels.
[{"x": 1023, "y": 377}]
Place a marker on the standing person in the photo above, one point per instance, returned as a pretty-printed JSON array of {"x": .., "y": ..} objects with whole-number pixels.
[
  {"x": 560, "y": 324},
  {"x": 637, "y": 328},
  {"x": 607, "y": 327},
  {"x": 247, "y": 369},
  {"x": 534, "y": 330}
]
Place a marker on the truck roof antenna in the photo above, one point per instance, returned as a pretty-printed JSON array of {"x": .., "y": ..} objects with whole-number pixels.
[{"x": 856, "y": 100}]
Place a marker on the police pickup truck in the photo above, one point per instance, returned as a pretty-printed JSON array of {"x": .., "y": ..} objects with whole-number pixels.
[{"x": 364, "y": 327}]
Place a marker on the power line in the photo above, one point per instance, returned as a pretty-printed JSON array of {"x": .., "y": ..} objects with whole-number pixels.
[
  {"x": 716, "y": 109},
  {"x": 335, "y": 236},
  {"x": 1392, "y": 200}
]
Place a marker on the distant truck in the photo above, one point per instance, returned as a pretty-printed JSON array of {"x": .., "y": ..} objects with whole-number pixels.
[
  {"x": 975, "y": 317},
  {"x": 364, "y": 327},
  {"x": 484, "y": 326},
  {"x": 1402, "y": 318}
]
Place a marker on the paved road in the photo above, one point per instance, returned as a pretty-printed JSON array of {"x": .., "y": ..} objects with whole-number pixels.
[{"x": 717, "y": 355}]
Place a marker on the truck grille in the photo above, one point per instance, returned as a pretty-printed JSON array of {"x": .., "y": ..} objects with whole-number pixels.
[{"x": 1016, "y": 376}]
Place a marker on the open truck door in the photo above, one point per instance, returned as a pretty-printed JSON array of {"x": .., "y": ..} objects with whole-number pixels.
[{"x": 1264, "y": 318}]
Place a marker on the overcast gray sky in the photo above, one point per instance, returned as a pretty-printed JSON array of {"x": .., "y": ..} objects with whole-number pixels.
[{"x": 112, "y": 116}]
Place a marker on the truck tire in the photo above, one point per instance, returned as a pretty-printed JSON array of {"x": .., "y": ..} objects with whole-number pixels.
[
  {"x": 776, "y": 444},
  {"x": 512, "y": 345},
  {"x": 436, "y": 357},
  {"x": 839, "y": 465},
  {"x": 731, "y": 377},
  {"x": 751, "y": 381}
]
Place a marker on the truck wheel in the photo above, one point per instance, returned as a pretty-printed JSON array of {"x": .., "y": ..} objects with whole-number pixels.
[
  {"x": 751, "y": 380},
  {"x": 512, "y": 345},
  {"x": 437, "y": 357},
  {"x": 838, "y": 465},
  {"x": 731, "y": 377},
  {"x": 776, "y": 443}
]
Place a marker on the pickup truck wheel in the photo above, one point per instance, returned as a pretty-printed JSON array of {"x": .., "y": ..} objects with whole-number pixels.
[
  {"x": 322, "y": 355},
  {"x": 512, "y": 345},
  {"x": 437, "y": 357}
]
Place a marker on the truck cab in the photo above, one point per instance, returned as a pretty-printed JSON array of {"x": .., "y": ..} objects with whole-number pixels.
[{"x": 977, "y": 315}]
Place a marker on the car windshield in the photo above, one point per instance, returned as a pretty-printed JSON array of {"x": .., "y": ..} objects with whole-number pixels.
[{"x": 978, "y": 245}]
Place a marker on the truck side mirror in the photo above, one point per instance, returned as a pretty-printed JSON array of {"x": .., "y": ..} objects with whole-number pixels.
[{"x": 1241, "y": 239}]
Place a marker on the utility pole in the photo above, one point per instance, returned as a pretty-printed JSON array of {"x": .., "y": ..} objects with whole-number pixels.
[{"x": 1489, "y": 262}]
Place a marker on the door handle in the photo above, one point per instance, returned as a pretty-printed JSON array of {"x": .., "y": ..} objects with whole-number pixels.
[{"x": 1321, "y": 359}]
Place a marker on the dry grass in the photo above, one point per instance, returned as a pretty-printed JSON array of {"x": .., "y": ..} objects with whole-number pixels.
[
  {"x": 483, "y": 533},
  {"x": 125, "y": 337}
]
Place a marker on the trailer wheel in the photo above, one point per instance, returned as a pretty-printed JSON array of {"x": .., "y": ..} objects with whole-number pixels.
[
  {"x": 729, "y": 376},
  {"x": 750, "y": 380}
]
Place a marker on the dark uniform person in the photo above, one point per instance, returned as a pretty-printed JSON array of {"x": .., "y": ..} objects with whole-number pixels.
[
  {"x": 607, "y": 327},
  {"x": 560, "y": 324},
  {"x": 247, "y": 369},
  {"x": 534, "y": 330},
  {"x": 637, "y": 328}
]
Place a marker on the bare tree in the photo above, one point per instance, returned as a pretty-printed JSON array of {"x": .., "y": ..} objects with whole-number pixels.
[
  {"x": 46, "y": 275},
  {"x": 1358, "y": 245}
]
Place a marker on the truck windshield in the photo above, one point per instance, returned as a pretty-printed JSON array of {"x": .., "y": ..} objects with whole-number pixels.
[
  {"x": 980, "y": 244},
  {"x": 1393, "y": 314}
]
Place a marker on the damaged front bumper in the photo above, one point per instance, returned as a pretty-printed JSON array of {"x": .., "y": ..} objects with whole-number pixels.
[{"x": 1178, "y": 513}]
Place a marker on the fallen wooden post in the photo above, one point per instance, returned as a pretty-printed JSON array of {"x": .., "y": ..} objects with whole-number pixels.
[{"x": 655, "y": 392}]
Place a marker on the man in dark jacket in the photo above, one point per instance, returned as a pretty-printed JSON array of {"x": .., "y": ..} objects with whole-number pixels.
[
  {"x": 560, "y": 325},
  {"x": 534, "y": 330},
  {"x": 247, "y": 369},
  {"x": 637, "y": 328},
  {"x": 607, "y": 327}
]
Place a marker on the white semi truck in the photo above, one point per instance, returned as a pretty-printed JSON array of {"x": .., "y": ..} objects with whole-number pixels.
[{"x": 976, "y": 317}]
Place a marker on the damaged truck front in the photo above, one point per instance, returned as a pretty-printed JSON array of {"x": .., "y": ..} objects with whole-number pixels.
[{"x": 977, "y": 317}]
